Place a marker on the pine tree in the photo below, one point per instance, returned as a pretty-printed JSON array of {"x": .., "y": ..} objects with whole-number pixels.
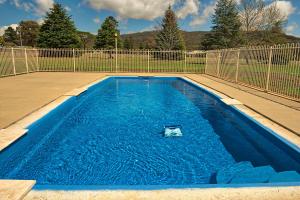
[
  {"x": 107, "y": 33},
  {"x": 58, "y": 30},
  {"x": 226, "y": 31},
  {"x": 10, "y": 37},
  {"x": 169, "y": 37}
]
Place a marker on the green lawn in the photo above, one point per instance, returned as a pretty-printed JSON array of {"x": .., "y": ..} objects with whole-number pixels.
[
  {"x": 284, "y": 79},
  {"x": 124, "y": 63}
]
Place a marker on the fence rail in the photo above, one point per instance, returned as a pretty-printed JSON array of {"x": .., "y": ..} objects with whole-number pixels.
[{"x": 273, "y": 69}]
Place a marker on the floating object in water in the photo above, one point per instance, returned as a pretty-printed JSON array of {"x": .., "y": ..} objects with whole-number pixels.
[{"x": 173, "y": 131}]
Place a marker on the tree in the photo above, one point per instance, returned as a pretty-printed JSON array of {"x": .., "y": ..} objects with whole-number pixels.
[
  {"x": 29, "y": 31},
  {"x": 58, "y": 30},
  {"x": 226, "y": 31},
  {"x": 10, "y": 36},
  {"x": 272, "y": 18},
  {"x": 128, "y": 43},
  {"x": 263, "y": 24},
  {"x": 88, "y": 39},
  {"x": 169, "y": 36},
  {"x": 1, "y": 41},
  {"x": 107, "y": 34},
  {"x": 251, "y": 14}
]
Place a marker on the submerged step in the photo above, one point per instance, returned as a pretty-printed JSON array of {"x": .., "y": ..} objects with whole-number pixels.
[
  {"x": 288, "y": 176},
  {"x": 225, "y": 175},
  {"x": 254, "y": 175}
]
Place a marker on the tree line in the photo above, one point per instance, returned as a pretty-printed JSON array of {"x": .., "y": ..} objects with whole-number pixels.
[{"x": 251, "y": 22}]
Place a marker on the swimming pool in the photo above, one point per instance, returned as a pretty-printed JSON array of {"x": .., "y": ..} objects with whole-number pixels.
[{"x": 112, "y": 136}]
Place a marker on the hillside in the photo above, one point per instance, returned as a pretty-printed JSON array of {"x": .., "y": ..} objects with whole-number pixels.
[{"x": 193, "y": 39}]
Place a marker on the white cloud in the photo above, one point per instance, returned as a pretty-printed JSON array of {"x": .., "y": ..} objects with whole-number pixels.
[
  {"x": 40, "y": 21},
  {"x": 286, "y": 8},
  {"x": 204, "y": 17},
  {"x": 39, "y": 7},
  {"x": 148, "y": 28},
  {"x": 96, "y": 20},
  {"x": 191, "y": 7},
  {"x": 42, "y": 6},
  {"x": 3, "y": 28},
  {"x": 291, "y": 28},
  {"x": 2, "y": 1},
  {"x": 22, "y": 5},
  {"x": 136, "y": 9},
  {"x": 68, "y": 8}
]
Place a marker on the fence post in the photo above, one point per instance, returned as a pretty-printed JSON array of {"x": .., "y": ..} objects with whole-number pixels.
[
  {"x": 74, "y": 61},
  {"x": 37, "y": 60},
  {"x": 218, "y": 64},
  {"x": 148, "y": 61},
  {"x": 26, "y": 60},
  {"x": 13, "y": 60},
  {"x": 237, "y": 66},
  {"x": 206, "y": 60},
  {"x": 185, "y": 62},
  {"x": 116, "y": 59},
  {"x": 269, "y": 68}
]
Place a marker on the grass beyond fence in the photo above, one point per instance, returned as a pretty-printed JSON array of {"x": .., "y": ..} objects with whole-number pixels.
[{"x": 274, "y": 69}]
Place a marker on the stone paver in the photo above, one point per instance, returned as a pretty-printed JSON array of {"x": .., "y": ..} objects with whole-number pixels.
[
  {"x": 229, "y": 101},
  {"x": 271, "y": 193},
  {"x": 15, "y": 189},
  {"x": 9, "y": 135}
]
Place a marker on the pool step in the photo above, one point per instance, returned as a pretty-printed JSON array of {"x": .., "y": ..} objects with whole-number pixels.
[
  {"x": 288, "y": 176},
  {"x": 254, "y": 175},
  {"x": 226, "y": 174},
  {"x": 244, "y": 172}
]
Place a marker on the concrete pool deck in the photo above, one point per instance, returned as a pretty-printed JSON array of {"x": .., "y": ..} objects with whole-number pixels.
[
  {"x": 24, "y": 97},
  {"x": 15, "y": 189}
]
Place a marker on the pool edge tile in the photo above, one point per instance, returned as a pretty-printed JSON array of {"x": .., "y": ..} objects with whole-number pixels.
[
  {"x": 229, "y": 101},
  {"x": 76, "y": 91},
  {"x": 10, "y": 135},
  {"x": 15, "y": 189}
]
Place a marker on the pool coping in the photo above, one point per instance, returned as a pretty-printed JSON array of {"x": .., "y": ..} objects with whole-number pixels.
[
  {"x": 15, "y": 189},
  {"x": 19, "y": 129}
]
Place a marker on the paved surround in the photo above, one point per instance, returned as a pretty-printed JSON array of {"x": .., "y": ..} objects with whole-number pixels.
[
  {"x": 274, "y": 193},
  {"x": 15, "y": 189},
  {"x": 79, "y": 82}
]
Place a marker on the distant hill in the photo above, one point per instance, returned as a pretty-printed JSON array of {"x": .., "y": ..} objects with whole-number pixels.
[{"x": 192, "y": 39}]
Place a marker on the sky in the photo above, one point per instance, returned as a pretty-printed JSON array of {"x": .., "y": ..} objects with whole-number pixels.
[{"x": 133, "y": 15}]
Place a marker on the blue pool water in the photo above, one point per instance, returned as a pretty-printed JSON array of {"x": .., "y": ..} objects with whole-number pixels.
[{"x": 113, "y": 135}]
